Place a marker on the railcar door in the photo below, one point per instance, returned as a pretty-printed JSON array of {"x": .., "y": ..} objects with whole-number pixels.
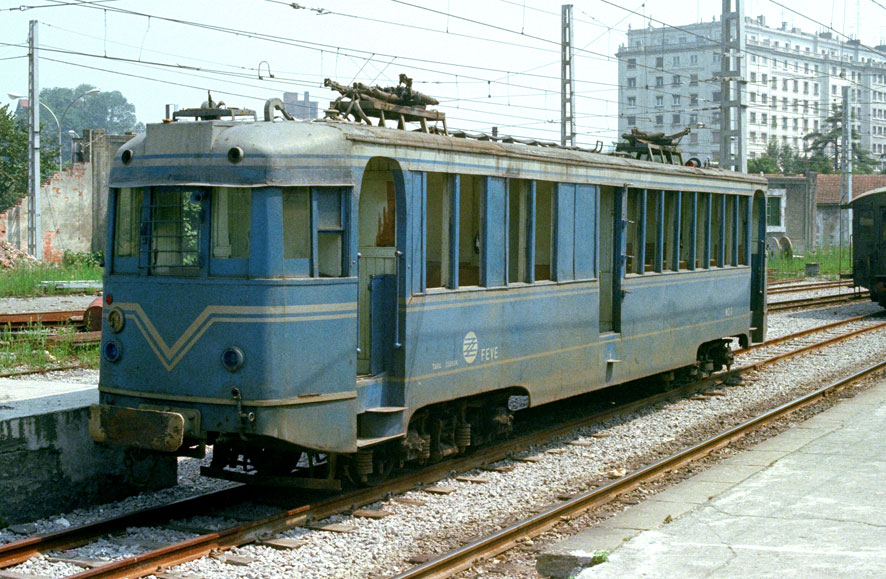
[
  {"x": 880, "y": 258},
  {"x": 758, "y": 267},
  {"x": 376, "y": 246}
]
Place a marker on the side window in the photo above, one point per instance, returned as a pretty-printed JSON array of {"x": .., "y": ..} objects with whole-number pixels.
[
  {"x": 297, "y": 224},
  {"x": 729, "y": 240},
  {"x": 230, "y": 222},
  {"x": 439, "y": 217},
  {"x": 470, "y": 212},
  {"x": 635, "y": 233},
  {"x": 330, "y": 232},
  {"x": 687, "y": 231},
  {"x": 518, "y": 230},
  {"x": 544, "y": 191},
  {"x": 703, "y": 230},
  {"x": 718, "y": 250},
  {"x": 652, "y": 224},
  {"x": 313, "y": 231},
  {"x": 670, "y": 228},
  {"x": 126, "y": 221}
]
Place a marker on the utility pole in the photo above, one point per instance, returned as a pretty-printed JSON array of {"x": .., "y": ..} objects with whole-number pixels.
[
  {"x": 567, "y": 80},
  {"x": 733, "y": 109},
  {"x": 845, "y": 167},
  {"x": 34, "y": 231}
]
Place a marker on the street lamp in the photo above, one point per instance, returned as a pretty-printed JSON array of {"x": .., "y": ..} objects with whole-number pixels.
[{"x": 90, "y": 92}]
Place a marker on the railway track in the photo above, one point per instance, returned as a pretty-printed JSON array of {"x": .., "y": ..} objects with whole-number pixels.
[
  {"x": 808, "y": 287},
  {"x": 307, "y": 512},
  {"x": 507, "y": 538},
  {"x": 818, "y": 301}
]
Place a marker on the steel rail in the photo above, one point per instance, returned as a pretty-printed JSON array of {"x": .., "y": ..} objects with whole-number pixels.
[
  {"x": 54, "y": 318},
  {"x": 809, "y": 287},
  {"x": 150, "y": 562},
  {"x": 507, "y": 538},
  {"x": 821, "y": 300},
  {"x": 19, "y": 551},
  {"x": 803, "y": 333}
]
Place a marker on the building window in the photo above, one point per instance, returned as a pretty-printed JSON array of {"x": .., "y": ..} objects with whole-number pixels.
[
  {"x": 675, "y": 120},
  {"x": 693, "y": 79},
  {"x": 753, "y": 97},
  {"x": 659, "y": 120},
  {"x": 764, "y": 78},
  {"x": 763, "y": 118},
  {"x": 753, "y": 117},
  {"x": 659, "y": 101},
  {"x": 753, "y": 77},
  {"x": 676, "y": 79},
  {"x": 676, "y": 61},
  {"x": 693, "y": 118},
  {"x": 676, "y": 99},
  {"x": 693, "y": 100},
  {"x": 632, "y": 63},
  {"x": 753, "y": 135},
  {"x": 659, "y": 81},
  {"x": 632, "y": 82},
  {"x": 773, "y": 211},
  {"x": 716, "y": 96},
  {"x": 632, "y": 101},
  {"x": 693, "y": 59},
  {"x": 659, "y": 62},
  {"x": 632, "y": 121}
]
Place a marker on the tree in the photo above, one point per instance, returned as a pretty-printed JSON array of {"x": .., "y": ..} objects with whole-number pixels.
[
  {"x": 782, "y": 160},
  {"x": 826, "y": 142},
  {"x": 767, "y": 163},
  {"x": 106, "y": 110},
  {"x": 14, "y": 158}
]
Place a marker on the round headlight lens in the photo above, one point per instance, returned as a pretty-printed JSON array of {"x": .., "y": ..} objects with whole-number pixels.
[
  {"x": 112, "y": 351},
  {"x": 232, "y": 359}
]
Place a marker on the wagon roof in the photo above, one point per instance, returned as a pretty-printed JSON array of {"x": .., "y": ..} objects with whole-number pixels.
[{"x": 868, "y": 194}]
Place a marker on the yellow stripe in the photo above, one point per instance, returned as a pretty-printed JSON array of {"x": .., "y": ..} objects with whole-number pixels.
[
  {"x": 291, "y": 401},
  {"x": 558, "y": 351},
  {"x": 171, "y": 355}
]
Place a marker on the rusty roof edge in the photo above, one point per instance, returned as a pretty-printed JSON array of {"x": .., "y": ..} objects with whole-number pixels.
[{"x": 566, "y": 156}]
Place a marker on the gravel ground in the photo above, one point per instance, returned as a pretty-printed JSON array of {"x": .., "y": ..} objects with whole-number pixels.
[{"x": 379, "y": 547}]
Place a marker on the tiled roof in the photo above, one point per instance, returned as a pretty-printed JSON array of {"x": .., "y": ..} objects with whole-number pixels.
[{"x": 829, "y": 186}]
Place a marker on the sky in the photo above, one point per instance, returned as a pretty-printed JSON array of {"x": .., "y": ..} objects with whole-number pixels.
[{"x": 489, "y": 62}]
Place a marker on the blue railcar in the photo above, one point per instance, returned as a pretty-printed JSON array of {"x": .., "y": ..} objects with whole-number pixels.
[
  {"x": 869, "y": 243},
  {"x": 345, "y": 298}
]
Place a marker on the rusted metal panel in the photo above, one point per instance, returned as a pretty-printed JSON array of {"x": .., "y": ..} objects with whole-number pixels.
[{"x": 148, "y": 429}]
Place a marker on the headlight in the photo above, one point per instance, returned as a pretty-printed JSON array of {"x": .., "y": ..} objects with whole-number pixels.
[
  {"x": 232, "y": 359},
  {"x": 112, "y": 351}
]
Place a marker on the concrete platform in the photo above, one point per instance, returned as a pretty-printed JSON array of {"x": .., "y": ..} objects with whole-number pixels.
[
  {"x": 810, "y": 502},
  {"x": 49, "y": 463}
]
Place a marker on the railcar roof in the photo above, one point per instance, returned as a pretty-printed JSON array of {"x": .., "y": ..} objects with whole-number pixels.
[
  {"x": 868, "y": 195},
  {"x": 267, "y": 140}
]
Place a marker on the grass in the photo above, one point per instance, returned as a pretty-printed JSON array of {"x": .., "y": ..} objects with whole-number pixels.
[
  {"x": 30, "y": 350},
  {"x": 829, "y": 259},
  {"x": 25, "y": 280}
]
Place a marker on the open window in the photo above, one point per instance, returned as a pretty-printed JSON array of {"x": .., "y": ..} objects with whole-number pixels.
[{"x": 544, "y": 239}]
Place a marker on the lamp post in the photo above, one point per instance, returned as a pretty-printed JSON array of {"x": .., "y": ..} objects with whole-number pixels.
[{"x": 90, "y": 92}]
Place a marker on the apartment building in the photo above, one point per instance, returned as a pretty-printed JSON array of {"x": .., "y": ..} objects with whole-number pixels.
[{"x": 669, "y": 78}]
